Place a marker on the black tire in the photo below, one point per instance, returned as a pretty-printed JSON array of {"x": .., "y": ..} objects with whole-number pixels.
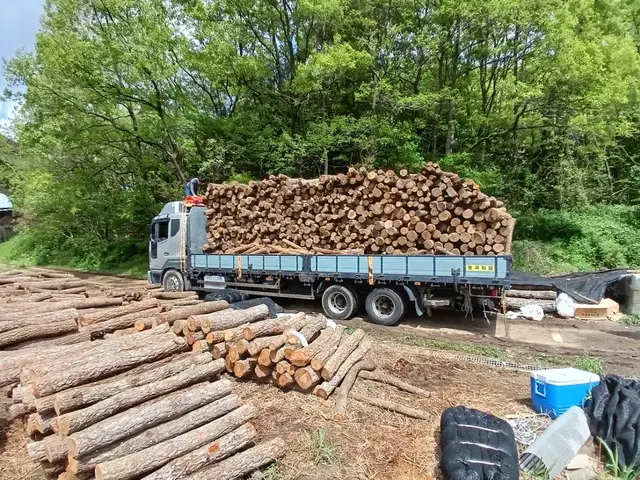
[
  {"x": 385, "y": 306},
  {"x": 339, "y": 302},
  {"x": 173, "y": 281}
]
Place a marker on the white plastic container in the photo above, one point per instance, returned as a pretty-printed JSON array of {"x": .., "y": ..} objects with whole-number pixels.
[{"x": 632, "y": 306}]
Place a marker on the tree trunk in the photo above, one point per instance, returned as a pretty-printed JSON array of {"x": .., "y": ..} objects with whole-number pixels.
[
  {"x": 347, "y": 385},
  {"x": 173, "y": 295},
  {"x": 143, "y": 416},
  {"x": 378, "y": 376},
  {"x": 80, "y": 419},
  {"x": 206, "y": 455},
  {"x": 227, "y": 319},
  {"x": 155, "y": 435},
  {"x": 55, "y": 448},
  {"x": 242, "y": 368},
  {"x": 85, "y": 395},
  {"x": 313, "y": 327},
  {"x": 513, "y": 303},
  {"x": 392, "y": 406},
  {"x": 326, "y": 388},
  {"x": 37, "y": 331},
  {"x": 111, "y": 357},
  {"x": 306, "y": 377},
  {"x": 318, "y": 361},
  {"x": 535, "y": 294},
  {"x": 117, "y": 323},
  {"x": 42, "y": 343},
  {"x": 243, "y": 463},
  {"x": 303, "y": 356},
  {"x": 45, "y": 307},
  {"x": 134, "y": 465},
  {"x": 102, "y": 316},
  {"x": 274, "y": 327},
  {"x": 185, "y": 312},
  {"x": 348, "y": 344},
  {"x": 27, "y": 320}
]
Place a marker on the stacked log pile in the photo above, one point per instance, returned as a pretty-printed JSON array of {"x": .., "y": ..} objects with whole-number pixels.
[
  {"x": 515, "y": 299},
  {"x": 139, "y": 406},
  {"x": 358, "y": 212}
]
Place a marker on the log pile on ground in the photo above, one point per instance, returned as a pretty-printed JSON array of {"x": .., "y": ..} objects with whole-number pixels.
[
  {"x": 140, "y": 406},
  {"x": 515, "y": 299},
  {"x": 358, "y": 212}
]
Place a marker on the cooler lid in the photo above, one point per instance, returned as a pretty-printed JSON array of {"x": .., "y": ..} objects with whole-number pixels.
[{"x": 565, "y": 376}]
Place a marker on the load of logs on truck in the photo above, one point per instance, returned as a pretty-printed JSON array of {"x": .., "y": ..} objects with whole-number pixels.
[{"x": 375, "y": 239}]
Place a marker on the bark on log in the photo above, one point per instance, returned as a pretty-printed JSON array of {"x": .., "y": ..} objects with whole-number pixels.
[
  {"x": 45, "y": 307},
  {"x": 110, "y": 358},
  {"x": 318, "y": 361},
  {"x": 303, "y": 356},
  {"x": 24, "y": 319},
  {"x": 206, "y": 455},
  {"x": 61, "y": 284},
  {"x": 274, "y": 327},
  {"x": 512, "y": 303},
  {"x": 55, "y": 448},
  {"x": 306, "y": 377},
  {"x": 85, "y": 395},
  {"x": 326, "y": 388},
  {"x": 43, "y": 343},
  {"x": 347, "y": 384},
  {"x": 260, "y": 371},
  {"x": 229, "y": 336},
  {"x": 392, "y": 406},
  {"x": 259, "y": 344},
  {"x": 155, "y": 435},
  {"x": 536, "y": 294},
  {"x": 145, "y": 323},
  {"x": 183, "y": 313},
  {"x": 313, "y": 327},
  {"x": 72, "y": 291},
  {"x": 243, "y": 463},
  {"x": 172, "y": 295},
  {"x": 102, "y": 316},
  {"x": 145, "y": 461},
  {"x": 219, "y": 350},
  {"x": 36, "y": 451},
  {"x": 348, "y": 344},
  {"x": 227, "y": 319},
  {"x": 242, "y": 368},
  {"x": 34, "y": 298},
  {"x": 37, "y": 331},
  {"x": 378, "y": 376},
  {"x": 143, "y": 416},
  {"x": 80, "y": 419},
  {"x": 117, "y": 323}
]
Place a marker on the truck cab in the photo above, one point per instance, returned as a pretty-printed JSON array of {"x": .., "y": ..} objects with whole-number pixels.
[{"x": 165, "y": 247}]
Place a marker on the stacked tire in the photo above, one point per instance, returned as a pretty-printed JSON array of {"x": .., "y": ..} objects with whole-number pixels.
[{"x": 477, "y": 446}]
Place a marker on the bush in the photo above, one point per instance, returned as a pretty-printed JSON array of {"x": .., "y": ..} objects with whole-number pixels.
[{"x": 599, "y": 237}]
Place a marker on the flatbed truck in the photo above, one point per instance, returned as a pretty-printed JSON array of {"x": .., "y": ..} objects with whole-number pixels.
[{"x": 387, "y": 286}]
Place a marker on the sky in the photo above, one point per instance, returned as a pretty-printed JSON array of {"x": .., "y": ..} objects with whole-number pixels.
[{"x": 19, "y": 22}]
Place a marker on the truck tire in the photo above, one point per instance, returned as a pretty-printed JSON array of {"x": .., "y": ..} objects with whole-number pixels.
[
  {"x": 173, "y": 281},
  {"x": 339, "y": 302},
  {"x": 385, "y": 306}
]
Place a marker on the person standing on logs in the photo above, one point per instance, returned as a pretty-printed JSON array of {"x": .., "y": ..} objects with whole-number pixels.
[{"x": 191, "y": 188}]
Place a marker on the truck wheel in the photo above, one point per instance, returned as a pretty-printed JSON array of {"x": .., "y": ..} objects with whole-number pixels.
[
  {"x": 173, "y": 281},
  {"x": 385, "y": 306},
  {"x": 339, "y": 303}
]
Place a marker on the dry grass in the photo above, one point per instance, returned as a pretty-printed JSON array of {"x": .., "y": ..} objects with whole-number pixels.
[
  {"x": 14, "y": 461},
  {"x": 376, "y": 444}
]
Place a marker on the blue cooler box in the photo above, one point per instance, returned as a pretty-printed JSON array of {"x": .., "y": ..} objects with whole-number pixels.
[{"x": 555, "y": 391}]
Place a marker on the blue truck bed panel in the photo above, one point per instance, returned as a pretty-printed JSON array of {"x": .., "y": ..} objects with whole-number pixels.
[{"x": 425, "y": 268}]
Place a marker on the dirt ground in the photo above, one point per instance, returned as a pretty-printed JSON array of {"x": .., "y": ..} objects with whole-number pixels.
[{"x": 375, "y": 444}]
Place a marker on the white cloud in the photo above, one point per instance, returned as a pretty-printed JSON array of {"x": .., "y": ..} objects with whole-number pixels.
[{"x": 8, "y": 111}]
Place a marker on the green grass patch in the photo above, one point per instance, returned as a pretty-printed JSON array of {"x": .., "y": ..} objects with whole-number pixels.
[
  {"x": 276, "y": 471},
  {"x": 322, "y": 447},
  {"x": 630, "y": 320},
  {"x": 16, "y": 253},
  {"x": 583, "y": 362},
  {"x": 437, "y": 344}
]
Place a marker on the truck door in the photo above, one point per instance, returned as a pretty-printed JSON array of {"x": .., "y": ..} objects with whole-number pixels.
[{"x": 165, "y": 251}]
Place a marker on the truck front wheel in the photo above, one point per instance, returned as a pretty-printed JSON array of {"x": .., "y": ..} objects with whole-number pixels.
[
  {"x": 385, "y": 306},
  {"x": 173, "y": 281},
  {"x": 339, "y": 302}
]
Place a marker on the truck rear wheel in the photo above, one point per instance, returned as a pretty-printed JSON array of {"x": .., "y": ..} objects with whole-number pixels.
[
  {"x": 385, "y": 306},
  {"x": 173, "y": 281},
  {"x": 339, "y": 302}
]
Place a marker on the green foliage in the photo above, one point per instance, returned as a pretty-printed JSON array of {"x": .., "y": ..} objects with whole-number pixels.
[
  {"x": 612, "y": 465},
  {"x": 322, "y": 447},
  {"x": 602, "y": 236},
  {"x": 589, "y": 364},
  {"x": 630, "y": 320},
  {"x": 125, "y": 101}
]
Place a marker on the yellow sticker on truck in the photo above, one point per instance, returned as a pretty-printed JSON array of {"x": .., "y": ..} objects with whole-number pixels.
[{"x": 481, "y": 268}]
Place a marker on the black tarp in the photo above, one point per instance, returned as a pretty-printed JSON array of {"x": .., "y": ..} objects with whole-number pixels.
[
  {"x": 614, "y": 417},
  {"x": 477, "y": 446},
  {"x": 585, "y": 287}
]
